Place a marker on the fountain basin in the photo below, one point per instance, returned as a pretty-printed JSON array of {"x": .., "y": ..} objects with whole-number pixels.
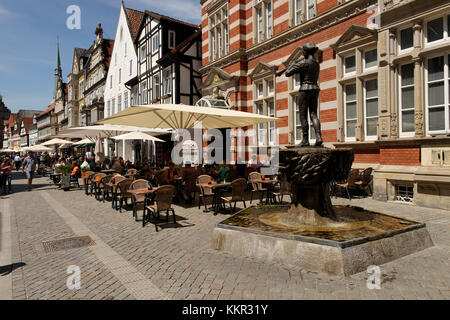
[{"x": 358, "y": 239}]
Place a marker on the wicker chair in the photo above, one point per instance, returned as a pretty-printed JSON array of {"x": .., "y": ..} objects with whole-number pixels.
[
  {"x": 96, "y": 184},
  {"x": 254, "y": 177},
  {"x": 117, "y": 178},
  {"x": 87, "y": 181},
  {"x": 138, "y": 198},
  {"x": 163, "y": 198},
  {"x": 106, "y": 190},
  {"x": 285, "y": 190},
  {"x": 122, "y": 194},
  {"x": 131, "y": 173},
  {"x": 238, "y": 187},
  {"x": 204, "y": 192},
  {"x": 365, "y": 178},
  {"x": 353, "y": 176}
]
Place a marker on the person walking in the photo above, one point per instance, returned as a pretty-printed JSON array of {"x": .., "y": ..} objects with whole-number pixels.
[
  {"x": 29, "y": 166},
  {"x": 17, "y": 161}
]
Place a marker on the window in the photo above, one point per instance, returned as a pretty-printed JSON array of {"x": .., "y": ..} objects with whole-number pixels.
[
  {"x": 115, "y": 59},
  {"x": 144, "y": 93},
  {"x": 406, "y": 99},
  {"x": 350, "y": 111},
  {"x": 264, "y": 20},
  {"x": 110, "y": 82},
  {"x": 113, "y": 106},
  {"x": 259, "y": 24},
  {"x": 437, "y": 94},
  {"x": 298, "y": 9},
  {"x": 172, "y": 44},
  {"x": 435, "y": 30},
  {"x": 370, "y": 59},
  {"x": 270, "y": 87},
  {"x": 143, "y": 53},
  {"x": 119, "y": 103},
  {"x": 371, "y": 108},
  {"x": 404, "y": 193},
  {"x": 272, "y": 131},
  {"x": 156, "y": 88},
  {"x": 303, "y": 10},
  {"x": 261, "y": 130},
  {"x": 131, "y": 67},
  {"x": 155, "y": 43},
  {"x": 264, "y": 101},
  {"x": 167, "y": 87},
  {"x": 350, "y": 65},
  {"x": 121, "y": 33},
  {"x": 219, "y": 33},
  {"x": 269, "y": 21},
  {"x": 120, "y": 75},
  {"x": 125, "y": 49},
  {"x": 311, "y": 9},
  {"x": 406, "y": 38},
  {"x": 125, "y": 100}
]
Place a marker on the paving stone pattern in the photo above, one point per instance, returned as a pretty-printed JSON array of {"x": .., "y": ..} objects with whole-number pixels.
[{"x": 180, "y": 263}]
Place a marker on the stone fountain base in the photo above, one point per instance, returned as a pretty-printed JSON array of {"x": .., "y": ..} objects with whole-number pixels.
[{"x": 340, "y": 249}]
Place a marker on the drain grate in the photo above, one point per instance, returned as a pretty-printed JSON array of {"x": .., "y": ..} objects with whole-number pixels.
[{"x": 68, "y": 243}]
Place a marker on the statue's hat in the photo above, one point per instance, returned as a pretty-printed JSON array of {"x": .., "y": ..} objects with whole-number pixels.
[{"x": 310, "y": 47}]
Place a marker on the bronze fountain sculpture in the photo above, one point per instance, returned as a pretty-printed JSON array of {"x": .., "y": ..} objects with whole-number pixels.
[{"x": 311, "y": 232}]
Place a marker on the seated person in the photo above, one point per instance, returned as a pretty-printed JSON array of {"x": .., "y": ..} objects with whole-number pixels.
[
  {"x": 189, "y": 180},
  {"x": 223, "y": 172},
  {"x": 76, "y": 172},
  {"x": 172, "y": 172}
]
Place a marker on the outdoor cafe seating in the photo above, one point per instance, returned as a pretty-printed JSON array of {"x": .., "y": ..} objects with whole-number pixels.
[
  {"x": 138, "y": 198},
  {"x": 238, "y": 187},
  {"x": 163, "y": 198}
]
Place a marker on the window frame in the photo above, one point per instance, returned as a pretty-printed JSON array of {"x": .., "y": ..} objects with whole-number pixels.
[
  {"x": 445, "y": 33},
  {"x": 364, "y": 68},
  {"x": 446, "y": 105},
  {"x": 155, "y": 48},
  {"x": 367, "y": 137},
  {"x": 399, "y": 40},
  {"x": 400, "y": 109},
  {"x": 347, "y": 138},
  {"x": 219, "y": 32}
]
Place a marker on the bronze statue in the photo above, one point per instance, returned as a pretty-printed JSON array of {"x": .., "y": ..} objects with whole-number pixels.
[{"x": 309, "y": 69}]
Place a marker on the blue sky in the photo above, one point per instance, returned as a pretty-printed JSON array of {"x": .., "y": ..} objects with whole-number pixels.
[{"x": 28, "y": 33}]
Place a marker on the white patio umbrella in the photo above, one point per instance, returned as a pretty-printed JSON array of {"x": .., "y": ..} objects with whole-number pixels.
[
  {"x": 38, "y": 148},
  {"x": 105, "y": 131},
  {"x": 56, "y": 141},
  {"x": 84, "y": 141},
  {"x": 8, "y": 150},
  {"x": 180, "y": 116},
  {"x": 137, "y": 135}
]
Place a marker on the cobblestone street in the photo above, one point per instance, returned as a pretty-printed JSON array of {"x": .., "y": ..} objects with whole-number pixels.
[{"x": 132, "y": 262}]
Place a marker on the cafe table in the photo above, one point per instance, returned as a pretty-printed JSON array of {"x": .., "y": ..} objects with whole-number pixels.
[{"x": 216, "y": 188}]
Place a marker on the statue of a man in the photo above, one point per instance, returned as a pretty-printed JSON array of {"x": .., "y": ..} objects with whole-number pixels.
[{"x": 309, "y": 69}]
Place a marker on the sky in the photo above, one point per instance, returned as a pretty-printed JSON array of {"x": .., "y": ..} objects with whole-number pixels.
[{"x": 28, "y": 36}]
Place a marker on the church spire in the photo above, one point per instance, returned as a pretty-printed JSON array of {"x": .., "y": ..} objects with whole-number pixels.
[{"x": 58, "y": 72}]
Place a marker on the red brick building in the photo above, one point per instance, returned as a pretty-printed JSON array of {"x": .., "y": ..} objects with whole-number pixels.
[{"x": 383, "y": 89}]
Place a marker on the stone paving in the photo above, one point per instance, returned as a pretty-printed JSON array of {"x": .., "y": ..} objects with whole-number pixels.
[{"x": 132, "y": 262}]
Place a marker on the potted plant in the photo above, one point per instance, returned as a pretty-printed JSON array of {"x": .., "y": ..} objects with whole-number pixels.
[{"x": 65, "y": 178}]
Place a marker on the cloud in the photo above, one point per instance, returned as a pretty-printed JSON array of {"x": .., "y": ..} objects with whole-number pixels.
[
  {"x": 5, "y": 13},
  {"x": 186, "y": 10}
]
